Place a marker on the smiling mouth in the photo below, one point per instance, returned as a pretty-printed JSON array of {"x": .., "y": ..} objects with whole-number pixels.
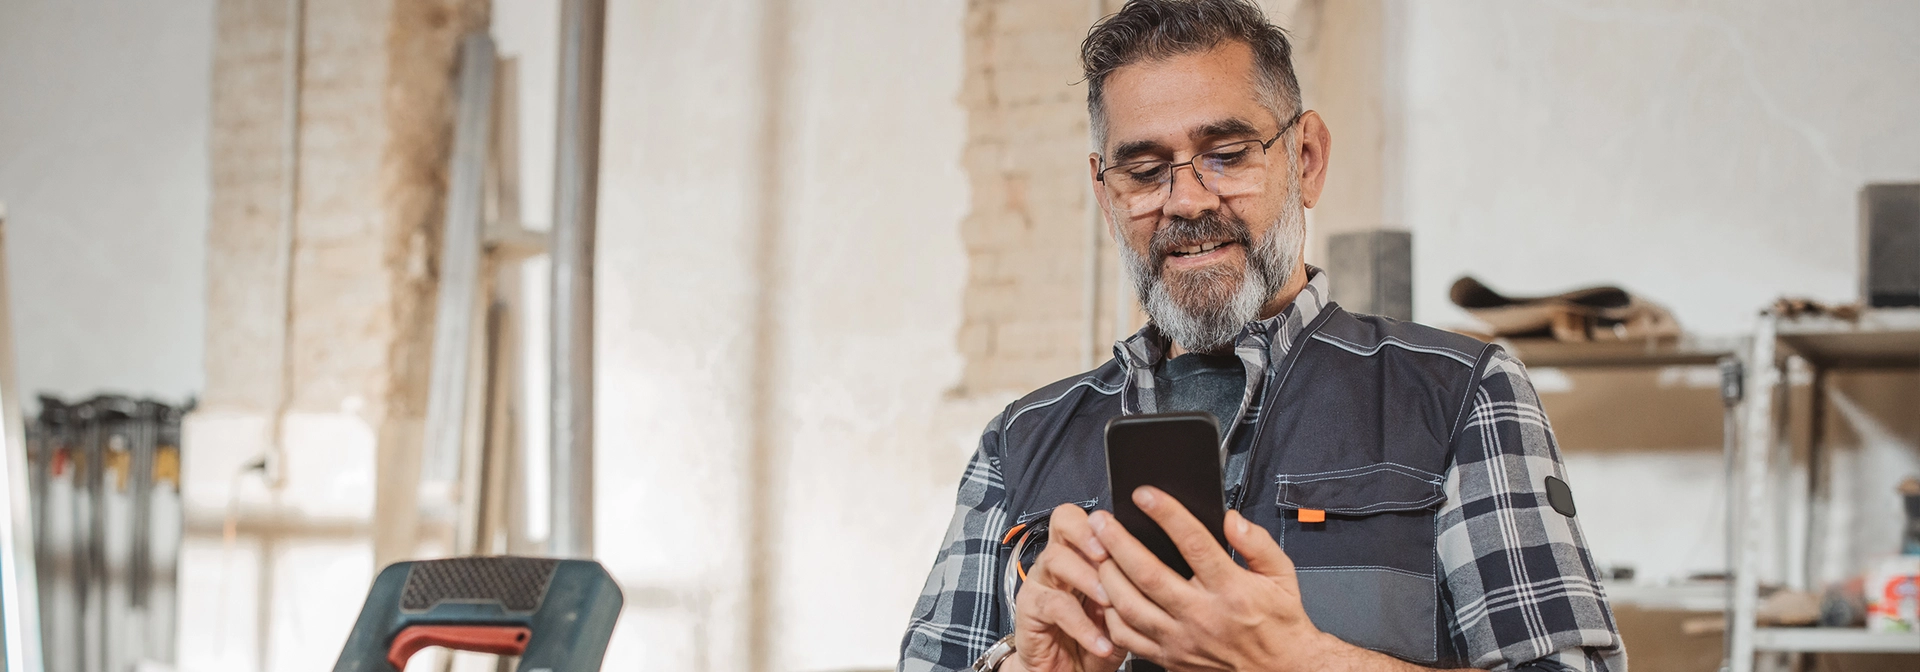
[{"x": 1196, "y": 250}]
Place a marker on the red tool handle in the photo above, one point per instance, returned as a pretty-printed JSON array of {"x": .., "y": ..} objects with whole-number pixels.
[{"x": 496, "y": 639}]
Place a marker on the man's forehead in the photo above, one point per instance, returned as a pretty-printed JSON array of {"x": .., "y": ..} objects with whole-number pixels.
[{"x": 1174, "y": 101}]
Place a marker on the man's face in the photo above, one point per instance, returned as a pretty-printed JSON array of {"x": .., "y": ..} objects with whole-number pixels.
[{"x": 1206, "y": 264}]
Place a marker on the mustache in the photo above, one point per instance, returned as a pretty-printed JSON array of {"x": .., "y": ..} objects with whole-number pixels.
[{"x": 1185, "y": 232}]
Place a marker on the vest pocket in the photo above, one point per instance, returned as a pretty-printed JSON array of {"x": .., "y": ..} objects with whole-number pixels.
[
  {"x": 1374, "y": 608},
  {"x": 1366, "y": 562},
  {"x": 1361, "y": 491}
]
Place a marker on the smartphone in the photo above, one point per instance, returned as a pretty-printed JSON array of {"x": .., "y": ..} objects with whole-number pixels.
[{"x": 1178, "y": 453}]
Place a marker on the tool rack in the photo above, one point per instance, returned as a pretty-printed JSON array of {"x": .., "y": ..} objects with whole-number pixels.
[{"x": 1877, "y": 339}]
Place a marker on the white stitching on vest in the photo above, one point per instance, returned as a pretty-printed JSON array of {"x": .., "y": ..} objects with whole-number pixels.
[
  {"x": 1365, "y": 351},
  {"x": 1088, "y": 382}
]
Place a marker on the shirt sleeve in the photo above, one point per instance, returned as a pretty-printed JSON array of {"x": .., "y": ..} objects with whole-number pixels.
[
  {"x": 1523, "y": 588},
  {"x": 958, "y": 615}
]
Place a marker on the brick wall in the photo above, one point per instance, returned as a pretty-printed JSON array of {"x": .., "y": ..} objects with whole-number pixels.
[
  {"x": 375, "y": 106},
  {"x": 375, "y": 99},
  {"x": 1027, "y": 231}
]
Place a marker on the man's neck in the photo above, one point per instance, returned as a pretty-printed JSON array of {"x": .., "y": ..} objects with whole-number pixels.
[
  {"x": 1296, "y": 283},
  {"x": 1279, "y": 302}
]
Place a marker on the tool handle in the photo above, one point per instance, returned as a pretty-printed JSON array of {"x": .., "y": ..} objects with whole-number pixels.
[{"x": 495, "y": 639}]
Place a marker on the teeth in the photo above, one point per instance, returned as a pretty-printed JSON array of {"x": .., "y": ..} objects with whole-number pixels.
[{"x": 1198, "y": 249}]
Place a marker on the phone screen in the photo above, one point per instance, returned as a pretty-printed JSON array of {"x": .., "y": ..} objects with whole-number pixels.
[{"x": 1178, "y": 453}]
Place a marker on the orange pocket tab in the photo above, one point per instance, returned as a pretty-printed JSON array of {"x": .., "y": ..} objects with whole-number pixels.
[{"x": 1313, "y": 516}]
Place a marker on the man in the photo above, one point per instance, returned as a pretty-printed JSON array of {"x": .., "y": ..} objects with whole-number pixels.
[{"x": 1397, "y": 497}]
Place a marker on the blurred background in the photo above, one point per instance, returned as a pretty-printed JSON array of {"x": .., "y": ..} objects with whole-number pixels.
[{"x": 834, "y": 238}]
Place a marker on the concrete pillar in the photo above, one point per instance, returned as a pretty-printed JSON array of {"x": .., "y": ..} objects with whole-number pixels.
[
  {"x": 331, "y": 126},
  {"x": 1373, "y": 271}
]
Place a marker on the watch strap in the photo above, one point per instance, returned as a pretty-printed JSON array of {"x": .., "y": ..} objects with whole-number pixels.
[{"x": 996, "y": 655}]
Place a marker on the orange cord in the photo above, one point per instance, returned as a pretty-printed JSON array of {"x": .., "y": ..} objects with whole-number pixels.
[
  {"x": 1016, "y": 561},
  {"x": 1016, "y": 530}
]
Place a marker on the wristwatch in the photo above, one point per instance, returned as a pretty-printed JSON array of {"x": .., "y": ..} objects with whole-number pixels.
[{"x": 995, "y": 656}]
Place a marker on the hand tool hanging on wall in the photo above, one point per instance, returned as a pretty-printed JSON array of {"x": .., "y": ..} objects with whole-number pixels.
[{"x": 105, "y": 480}]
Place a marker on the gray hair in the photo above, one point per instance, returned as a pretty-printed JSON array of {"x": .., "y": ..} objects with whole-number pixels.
[{"x": 1158, "y": 29}]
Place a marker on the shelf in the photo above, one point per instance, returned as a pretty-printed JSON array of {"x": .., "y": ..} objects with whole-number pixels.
[
  {"x": 1676, "y": 597},
  {"x": 1539, "y": 352},
  {"x": 1881, "y": 338},
  {"x": 1835, "y": 640},
  {"x": 1875, "y": 338}
]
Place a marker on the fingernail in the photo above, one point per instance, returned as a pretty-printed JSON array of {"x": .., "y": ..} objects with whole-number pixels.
[
  {"x": 1094, "y": 547},
  {"x": 1098, "y": 521},
  {"x": 1240, "y": 527},
  {"x": 1102, "y": 646},
  {"x": 1144, "y": 496},
  {"x": 1100, "y": 593}
]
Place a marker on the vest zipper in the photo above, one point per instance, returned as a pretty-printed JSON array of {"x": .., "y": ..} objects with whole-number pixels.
[{"x": 1237, "y": 494}]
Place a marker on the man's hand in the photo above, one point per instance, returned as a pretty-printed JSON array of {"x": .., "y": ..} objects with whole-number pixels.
[
  {"x": 1225, "y": 617},
  {"x": 1058, "y": 624}
]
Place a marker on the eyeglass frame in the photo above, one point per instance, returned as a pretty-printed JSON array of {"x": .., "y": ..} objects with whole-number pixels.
[{"x": 1173, "y": 169}]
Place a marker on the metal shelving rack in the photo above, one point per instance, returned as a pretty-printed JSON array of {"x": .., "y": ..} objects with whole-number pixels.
[
  {"x": 1651, "y": 354},
  {"x": 1877, "y": 339}
]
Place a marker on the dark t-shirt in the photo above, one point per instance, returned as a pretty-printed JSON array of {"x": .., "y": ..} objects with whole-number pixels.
[{"x": 1201, "y": 382}]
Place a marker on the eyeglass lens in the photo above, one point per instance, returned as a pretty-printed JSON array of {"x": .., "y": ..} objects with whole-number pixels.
[{"x": 1233, "y": 170}]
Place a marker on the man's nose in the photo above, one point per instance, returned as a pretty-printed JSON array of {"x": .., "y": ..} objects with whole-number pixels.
[{"x": 1189, "y": 197}]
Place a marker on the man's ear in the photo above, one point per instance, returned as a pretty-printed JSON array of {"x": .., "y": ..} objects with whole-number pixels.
[{"x": 1316, "y": 145}]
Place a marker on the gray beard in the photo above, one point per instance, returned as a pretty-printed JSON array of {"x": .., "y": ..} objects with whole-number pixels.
[{"x": 1207, "y": 314}]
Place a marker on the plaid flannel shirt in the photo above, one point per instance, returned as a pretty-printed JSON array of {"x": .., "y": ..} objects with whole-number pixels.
[{"x": 1519, "y": 581}]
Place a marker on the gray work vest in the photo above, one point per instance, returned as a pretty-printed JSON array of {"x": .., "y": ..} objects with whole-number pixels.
[{"x": 1357, "y": 420}]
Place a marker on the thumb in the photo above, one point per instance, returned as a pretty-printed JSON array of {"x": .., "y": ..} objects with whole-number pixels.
[{"x": 1254, "y": 543}]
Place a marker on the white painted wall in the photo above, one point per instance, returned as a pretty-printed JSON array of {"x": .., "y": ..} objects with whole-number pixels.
[
  {"x": 103, "y": 170},
  {"x": 870, "y": 300},
  {"x": 1709, "y": 155},
  {"x": 866, "y": 291},
  {"x": 675, "y": 327}
]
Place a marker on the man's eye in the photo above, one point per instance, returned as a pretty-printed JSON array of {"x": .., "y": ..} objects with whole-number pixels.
[
  {"x": 1227, "y": 158},
  {"x": 1146, "y": 173}
]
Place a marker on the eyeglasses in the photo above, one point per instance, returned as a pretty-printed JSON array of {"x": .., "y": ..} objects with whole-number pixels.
[{"x": 1233, "y": 169}]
